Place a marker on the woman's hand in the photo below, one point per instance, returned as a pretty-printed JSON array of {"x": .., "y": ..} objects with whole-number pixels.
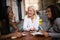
[
  {"x": 17, "y": 30},
  {"x": 44, "y": 33},
  {"x": 17, "y": 34},
  {"x": 32, "y": 29}
]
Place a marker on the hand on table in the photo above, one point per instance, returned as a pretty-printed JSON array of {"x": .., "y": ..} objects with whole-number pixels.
[
  {"x": 17, "y": 34},
  {"x": 44, "y": 33},
  {"x": 32, "y": 29}
]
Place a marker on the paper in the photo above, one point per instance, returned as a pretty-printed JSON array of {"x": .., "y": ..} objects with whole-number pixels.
[
  {"x": 13, "y": 37},
  {"x": 23, "y": 34},
  {"x": 37, "y": 33}
]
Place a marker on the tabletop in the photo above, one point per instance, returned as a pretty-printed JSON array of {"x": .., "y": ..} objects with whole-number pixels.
[{"x": 32, "y": 37}]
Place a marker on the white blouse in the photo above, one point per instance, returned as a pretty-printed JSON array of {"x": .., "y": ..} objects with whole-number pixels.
[{"x": 28, "y": 24}]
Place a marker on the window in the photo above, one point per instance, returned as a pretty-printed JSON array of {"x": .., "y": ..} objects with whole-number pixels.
[{"x": 31, "y": 3}]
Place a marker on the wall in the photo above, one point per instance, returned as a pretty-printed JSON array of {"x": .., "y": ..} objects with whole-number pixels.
[
  {"x": 47, "y": 3},
  {"x": 22, "y": 9},
  {"x": 14, "y": 7}
]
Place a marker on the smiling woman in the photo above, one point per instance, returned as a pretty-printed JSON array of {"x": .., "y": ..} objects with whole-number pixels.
[
  {"x": 31, "y": 20},
  {"x": 53, "y": 14},
  {"x": 4, "y": 22}
]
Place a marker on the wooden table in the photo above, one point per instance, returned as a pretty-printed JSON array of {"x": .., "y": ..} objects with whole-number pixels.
[{"x": 31, "y": 37}]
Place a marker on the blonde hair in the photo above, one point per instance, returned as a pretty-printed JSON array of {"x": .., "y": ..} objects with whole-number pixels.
[{"x": 33, "y": 9}]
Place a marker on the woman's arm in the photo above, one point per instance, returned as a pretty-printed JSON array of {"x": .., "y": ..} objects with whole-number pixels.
[
  {"x": 17, "y": 34},
  {"x": 14, "y": 26},
  {"x": 46, "y": 34},
  {"x": 56, "y": 28},
  {"x": 5, "y": 36},
  {"x": 57, "y": 35}
]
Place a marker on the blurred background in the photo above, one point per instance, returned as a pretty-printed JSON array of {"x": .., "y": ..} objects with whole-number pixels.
[{"x": 20, "y": 6}]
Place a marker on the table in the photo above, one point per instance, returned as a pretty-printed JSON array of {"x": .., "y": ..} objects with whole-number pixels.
[{"x": 31, "y": 37}]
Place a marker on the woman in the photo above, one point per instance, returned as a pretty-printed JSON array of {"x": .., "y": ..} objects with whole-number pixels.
[
  {"x": 11, "y": 18},
  {"x": 53, "y": 14},
  {"x": 4, "y": 28},
  {"x": 31, "y": 20}
]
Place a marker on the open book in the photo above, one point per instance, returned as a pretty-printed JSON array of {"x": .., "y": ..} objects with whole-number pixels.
[{"x": 37, "y": 33}]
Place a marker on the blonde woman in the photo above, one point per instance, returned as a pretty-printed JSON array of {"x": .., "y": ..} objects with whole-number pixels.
[
  {"x": 4, "y": 27},
  {"x": 31, "y": 20}
]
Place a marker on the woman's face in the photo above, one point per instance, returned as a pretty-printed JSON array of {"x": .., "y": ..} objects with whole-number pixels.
[
  {"x": 11, "y": 15},
  {"x": 30, "y": 12},
  {"x": 9, "y": 9},
  {"x": 48, "y": 12}
]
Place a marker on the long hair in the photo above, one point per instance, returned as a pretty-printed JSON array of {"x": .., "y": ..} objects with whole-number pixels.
[
  {"x": 55, "y": 13},
  {"x": 35, "y": 13}
]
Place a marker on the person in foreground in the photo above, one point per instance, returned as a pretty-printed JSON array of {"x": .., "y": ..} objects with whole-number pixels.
[
  {"x": 31, "y": 20},
  {"x": 7, "y": 34},
  {"x": 11, "y": 18},
  {"x": 5, "y": 25},
  {"x": 53, "y": 14}
]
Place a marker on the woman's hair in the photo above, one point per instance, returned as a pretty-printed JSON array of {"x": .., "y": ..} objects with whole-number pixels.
[
  {"x": 55, "y": 12},
  {"x": 33, "y": 9},
  {"x": 8, "y": 7}
]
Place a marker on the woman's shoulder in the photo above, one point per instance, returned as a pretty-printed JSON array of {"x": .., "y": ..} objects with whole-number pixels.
[
  {"x": 57, "y": 20},
  {"x": 37, "y": 16}
]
